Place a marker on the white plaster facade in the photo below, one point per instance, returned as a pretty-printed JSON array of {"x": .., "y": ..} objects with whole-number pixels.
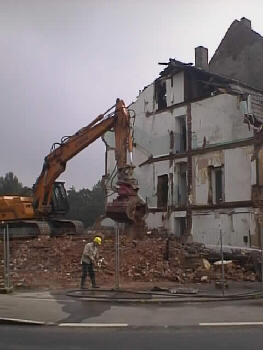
[{"x": 219, "y": 161}]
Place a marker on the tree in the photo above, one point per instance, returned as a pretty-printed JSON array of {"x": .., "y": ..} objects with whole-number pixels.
[
  {"x": 10, "y": 185},
  {"x": 86, "y": 205}
]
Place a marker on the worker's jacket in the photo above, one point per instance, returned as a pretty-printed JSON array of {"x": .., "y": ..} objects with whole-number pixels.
[{"x": 90, "y": 253}]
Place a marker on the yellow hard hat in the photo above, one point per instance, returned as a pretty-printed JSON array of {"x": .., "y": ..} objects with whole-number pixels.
[{"x": 97, "y": 240}]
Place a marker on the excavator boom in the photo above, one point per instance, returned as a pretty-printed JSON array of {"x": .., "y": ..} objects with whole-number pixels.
[
  {"x": 55, "y": 162},
  {"x": 49, "y": 197}
]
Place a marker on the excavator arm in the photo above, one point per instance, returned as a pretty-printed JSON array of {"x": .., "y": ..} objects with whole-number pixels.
[
  {"x": 41, "y": 214},
  {"x": 55, "y": 164}
]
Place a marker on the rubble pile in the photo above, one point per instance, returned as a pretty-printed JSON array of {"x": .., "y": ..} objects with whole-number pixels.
[{"x": 55, "y": 262}]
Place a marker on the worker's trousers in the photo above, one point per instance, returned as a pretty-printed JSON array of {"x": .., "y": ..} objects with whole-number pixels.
[{"x": 87, "y": 269}]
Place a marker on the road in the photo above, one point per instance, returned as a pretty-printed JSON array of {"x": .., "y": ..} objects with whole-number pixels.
[
  {"x": 58, "y": 308},
  {"x": 189, "y": 338}
]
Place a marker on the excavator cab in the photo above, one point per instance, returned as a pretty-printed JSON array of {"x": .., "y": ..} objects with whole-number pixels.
[{"x": 59, "y": 201}]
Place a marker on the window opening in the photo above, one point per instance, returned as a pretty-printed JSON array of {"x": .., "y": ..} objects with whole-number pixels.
[
  {"x": 179, "y": 227},
  {"x": 182, "y": 128},
  {"x": 160, "y": 93},
  {"x": 162, "y": 191},
  {"x": 182, "y": 185},
  {"x": 217, "y": 184}
]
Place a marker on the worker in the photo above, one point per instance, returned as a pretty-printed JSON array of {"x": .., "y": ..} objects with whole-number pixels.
[{"x": 89, "y": 258}]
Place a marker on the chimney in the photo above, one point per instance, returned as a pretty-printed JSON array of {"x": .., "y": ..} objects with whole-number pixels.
[
  {"x": 201, "y": 57},
  {"x": 246, "y": 22}
]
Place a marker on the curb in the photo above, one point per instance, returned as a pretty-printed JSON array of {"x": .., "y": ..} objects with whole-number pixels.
[
  {"x": 157, "y": 298},
  {"x": 22, "y": 322},
  {"x": 18, "y": 321},
  {"x": 94, "y": 325},
  {"x": 6, "y": 290},
  {"x": 169, "y": 300}
]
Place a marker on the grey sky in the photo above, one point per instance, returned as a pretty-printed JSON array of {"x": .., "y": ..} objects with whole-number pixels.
[{"x": 63, "y": 62}]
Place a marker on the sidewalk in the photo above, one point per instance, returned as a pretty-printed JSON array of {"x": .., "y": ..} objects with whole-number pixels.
[{"x": 56, "y": 307}]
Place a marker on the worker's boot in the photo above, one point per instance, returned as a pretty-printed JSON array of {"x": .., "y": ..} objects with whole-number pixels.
[
  {"x": 82, "y": 283},
  {"x": 93, "y": 283}
]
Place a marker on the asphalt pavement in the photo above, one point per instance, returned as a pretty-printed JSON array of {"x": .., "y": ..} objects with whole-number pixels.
[
  {"x": 55, "y": 338},
  {"x": 67, "y": 322}
]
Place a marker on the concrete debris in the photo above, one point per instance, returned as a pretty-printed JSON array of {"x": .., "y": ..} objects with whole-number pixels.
[
  {"x": 204, "y": 279},
  {"x": 55, "y": 262},
  {"x": 224, "y": 262}
]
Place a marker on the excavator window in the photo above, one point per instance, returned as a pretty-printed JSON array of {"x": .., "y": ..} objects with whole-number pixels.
[{"x": 59, "y": 199}]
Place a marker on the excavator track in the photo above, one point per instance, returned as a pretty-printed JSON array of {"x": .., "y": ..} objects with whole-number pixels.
[
  {"x": 35, "y": 228},
  {"x": 28, "y": 228},
  {"x": 61, "y": 227}
]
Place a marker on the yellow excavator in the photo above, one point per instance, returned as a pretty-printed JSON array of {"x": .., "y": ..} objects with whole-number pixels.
[{"x": 43, "y": 212}]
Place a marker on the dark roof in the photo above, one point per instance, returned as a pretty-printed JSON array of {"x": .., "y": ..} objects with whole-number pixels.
[
  {"x": 240, "y": 55},
  {"x": 174, "y": 66}
]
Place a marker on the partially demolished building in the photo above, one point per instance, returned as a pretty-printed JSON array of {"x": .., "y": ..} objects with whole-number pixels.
[{"x": 198, "y": 152}]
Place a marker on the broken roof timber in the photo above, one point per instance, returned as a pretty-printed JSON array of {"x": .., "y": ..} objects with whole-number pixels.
[
  {"x": 174, "y": 66},
  {"x": 229, "y": 85}
]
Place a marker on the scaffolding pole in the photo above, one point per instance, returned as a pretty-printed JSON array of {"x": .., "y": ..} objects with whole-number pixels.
[
  {"x": 117, "y": 256},
  {"x": 6, "y": 257}
]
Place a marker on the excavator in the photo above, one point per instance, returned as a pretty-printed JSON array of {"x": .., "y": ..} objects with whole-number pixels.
[{"x": 43, "y": 212}]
